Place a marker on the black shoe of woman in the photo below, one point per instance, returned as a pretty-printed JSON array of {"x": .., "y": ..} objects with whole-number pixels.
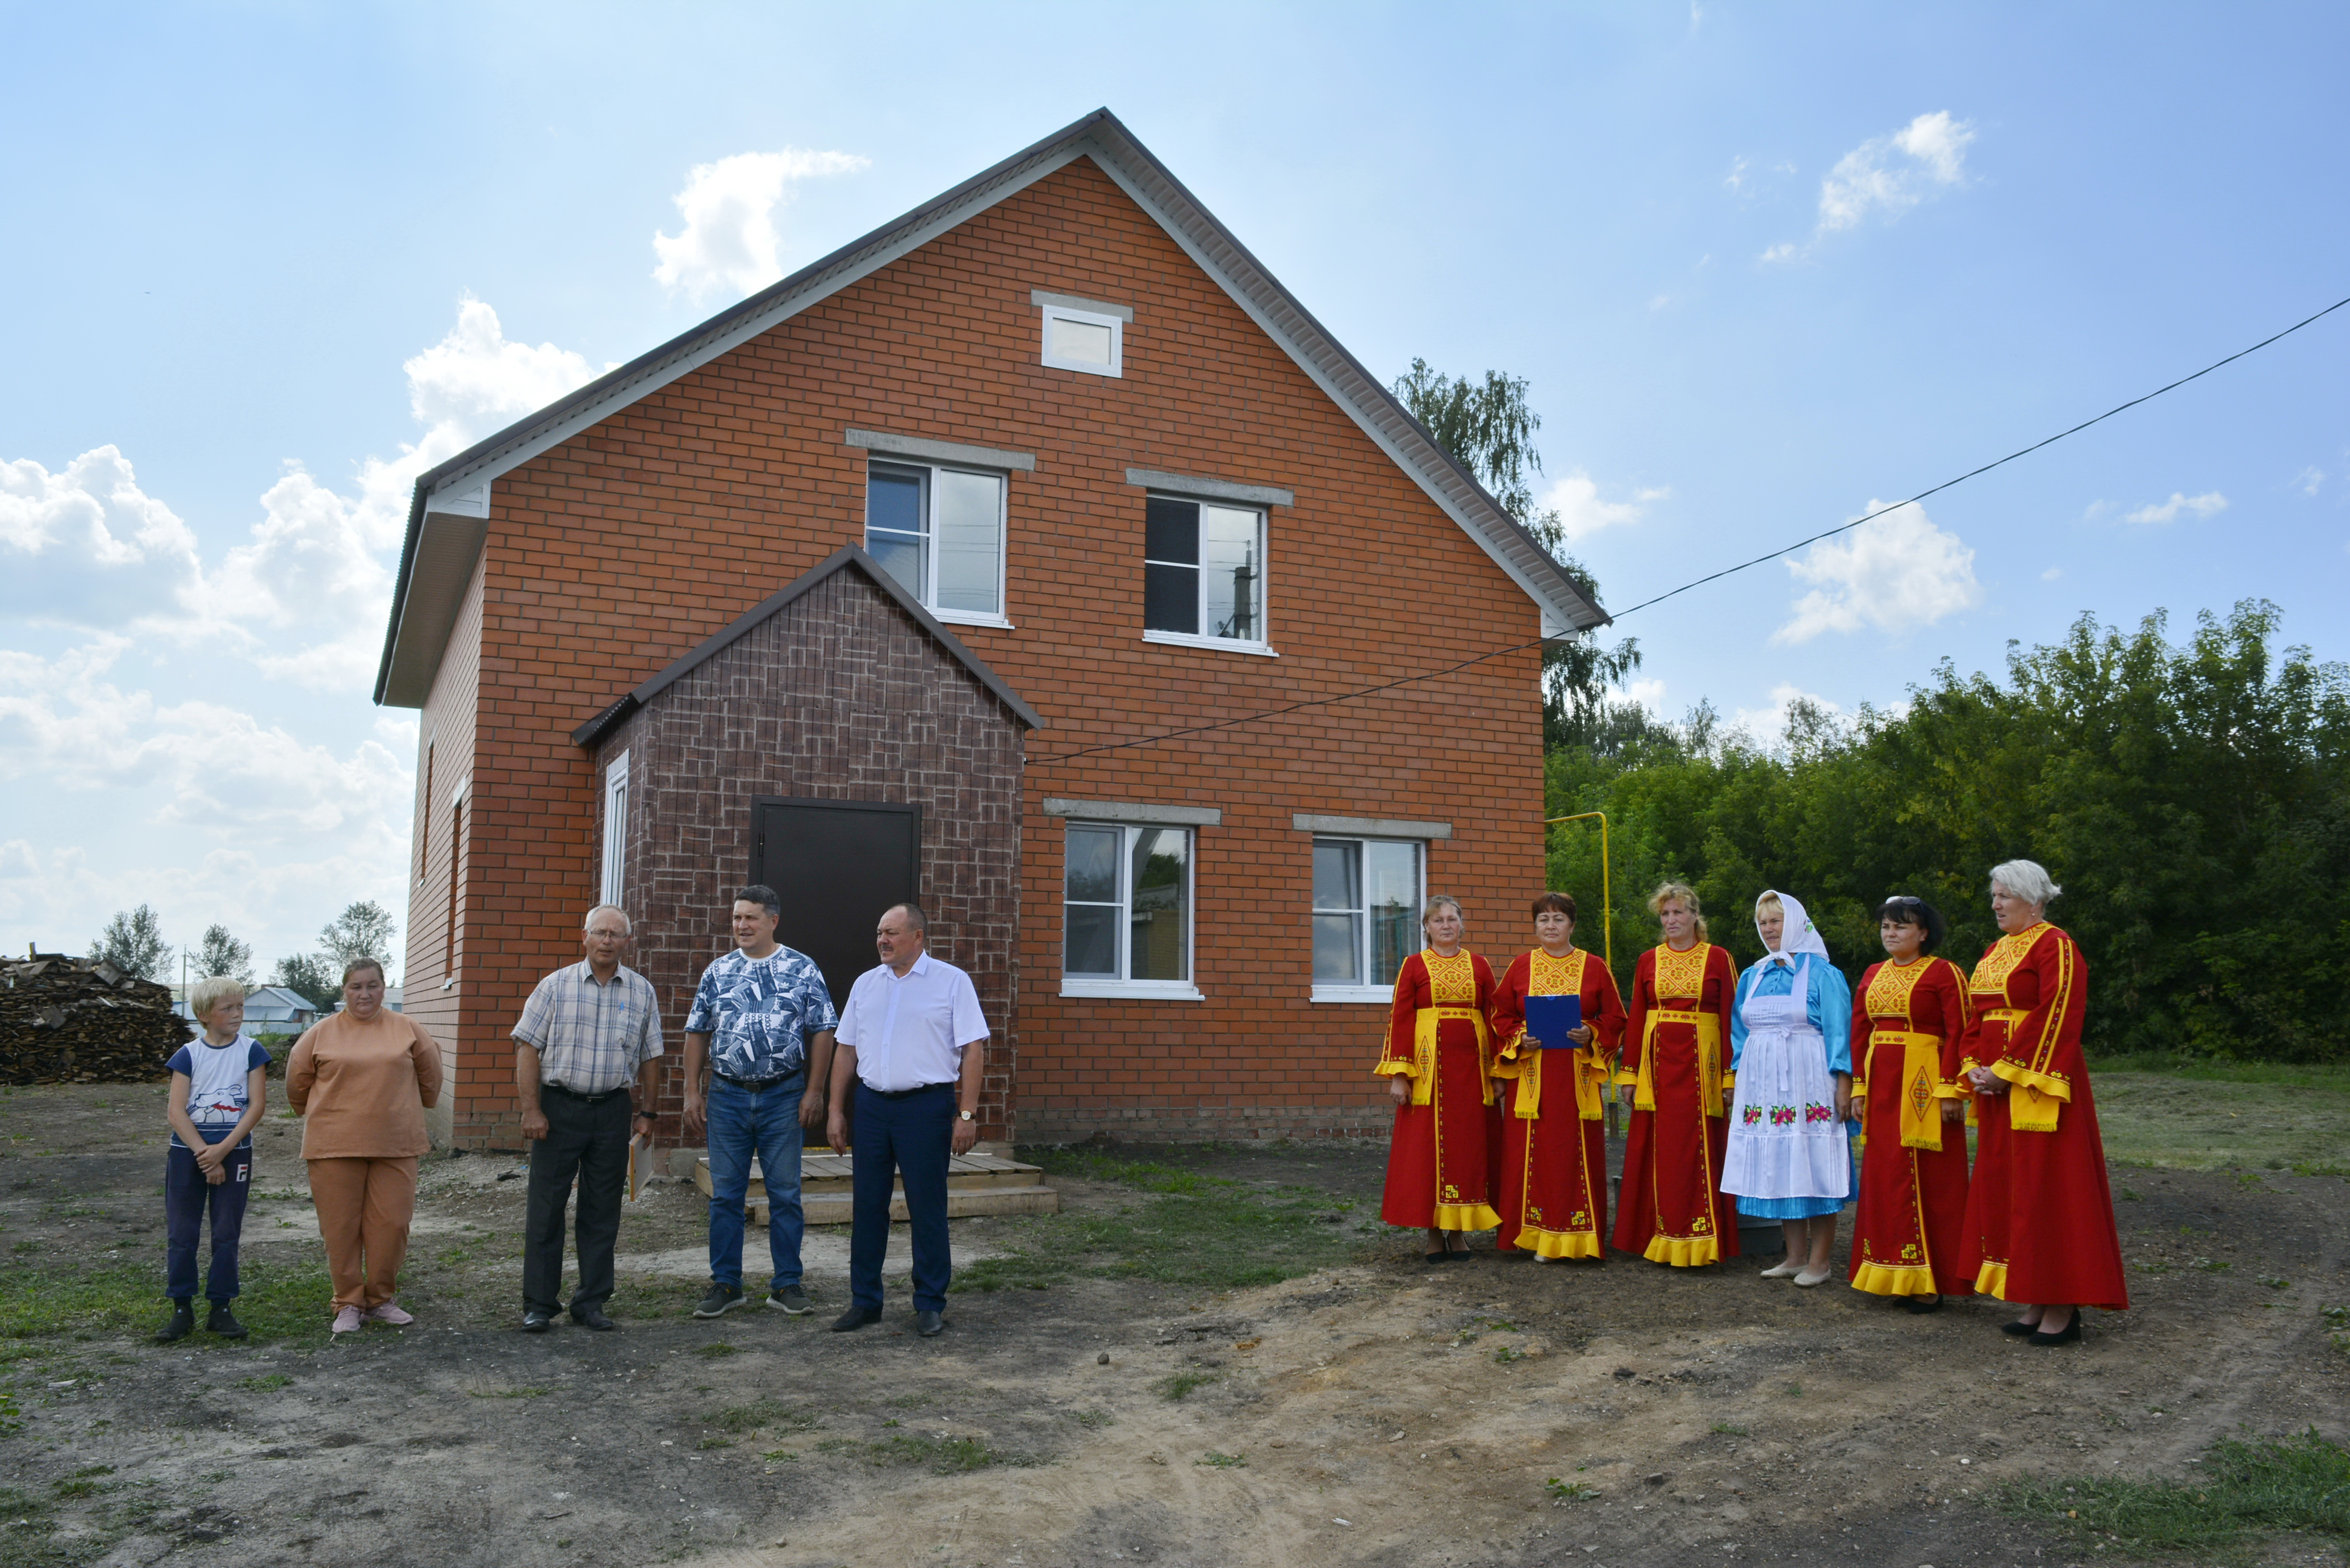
[
  {"x": 2069, "y": 1334},
  {"x": 2019, "y": 1328},
  {"x": 1922, "y": 1304}
]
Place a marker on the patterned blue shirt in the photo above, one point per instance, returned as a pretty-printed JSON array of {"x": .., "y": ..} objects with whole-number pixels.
[{"x": 760, "y": 1013}]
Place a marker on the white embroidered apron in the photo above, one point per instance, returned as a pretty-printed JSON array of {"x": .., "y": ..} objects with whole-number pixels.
[{"x": 1784, "y": 1139}]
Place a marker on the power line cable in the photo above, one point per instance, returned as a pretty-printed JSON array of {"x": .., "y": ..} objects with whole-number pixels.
[{"x": 1696, "y": 583}]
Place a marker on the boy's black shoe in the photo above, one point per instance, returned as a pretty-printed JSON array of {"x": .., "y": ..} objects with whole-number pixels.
[
  {"x": 224, "y": 1323},
  {"x": 183, "y": 1324},
  {"x": 721, "y": 1300},
  {"x": 790, "y": 1299}
]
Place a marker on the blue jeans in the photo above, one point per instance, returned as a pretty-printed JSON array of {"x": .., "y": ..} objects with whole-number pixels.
[
  {"x": 187, "y": 1196},
  {"x": 765, "y": 1122},
  {"x": 907, "y": 1136}
]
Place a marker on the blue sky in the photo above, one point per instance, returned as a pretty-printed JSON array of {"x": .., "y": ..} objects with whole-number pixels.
[{"x": 1762, "y": 264}]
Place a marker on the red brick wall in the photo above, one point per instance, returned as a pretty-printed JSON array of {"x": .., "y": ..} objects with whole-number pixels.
[
  {"x": 615, "y": 553},
  {"x": 839, "y": 695}
]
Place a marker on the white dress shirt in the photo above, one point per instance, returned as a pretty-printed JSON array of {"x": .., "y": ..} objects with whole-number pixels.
[{"x": 910, "y": 1030}]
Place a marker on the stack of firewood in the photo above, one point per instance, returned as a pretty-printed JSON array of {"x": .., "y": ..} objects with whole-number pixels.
[{"x": 70, "y": 1021}]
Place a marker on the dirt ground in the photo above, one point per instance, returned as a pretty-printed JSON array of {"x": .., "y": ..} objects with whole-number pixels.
[{"x": 1372, "y": 1411}]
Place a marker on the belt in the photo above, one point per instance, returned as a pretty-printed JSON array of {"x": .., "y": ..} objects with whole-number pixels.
[
  {"x": 571, "y": 1093},
  {"x": 755, "y": 1085},
  {"x": 904, "y": 1094}
]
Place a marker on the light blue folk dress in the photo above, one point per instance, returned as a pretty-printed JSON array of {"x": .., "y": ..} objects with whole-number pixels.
[{"x": 1789, "y": 1158}]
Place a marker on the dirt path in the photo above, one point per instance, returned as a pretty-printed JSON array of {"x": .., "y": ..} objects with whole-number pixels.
[{"x": 1376, "y": 1412}]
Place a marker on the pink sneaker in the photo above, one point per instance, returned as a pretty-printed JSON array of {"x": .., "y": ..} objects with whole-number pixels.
[
  {"x": 347, "y": 1321},
  {"x": 389, "y": 1313}
]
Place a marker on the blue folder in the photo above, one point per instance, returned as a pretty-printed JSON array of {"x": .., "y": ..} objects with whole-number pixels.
[{"x": 1551, "y": 1019}]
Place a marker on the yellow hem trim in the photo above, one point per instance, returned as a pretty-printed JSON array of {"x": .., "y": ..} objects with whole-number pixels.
[
  {"x": 1890, "y": 1280},
  {"x": 1683, "y": 1252},
  {"x": 1467, "y": 1217},
  {"x": 1992, "y": 1278},
  {"x": 2049, "y": 1084},
  {"x": 1559, "y": 1243}
]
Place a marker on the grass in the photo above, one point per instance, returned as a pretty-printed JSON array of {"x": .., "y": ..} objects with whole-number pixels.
[
  {"x": 1221, "y": 1461},
  {"x": 1730, "y": 1430},
  {"x": 1178, "y": 1388},
  {"x": 2244, "y": 1488},
  {"x": 282, "y": 1301},
  {"x": 1194, "y": 1230},
  {"x": 764, "y": 1415},
  {"x": 2215, "y": 1116},
  {"x": 715, "y": 1348},
  {"x": 945, "y": 1456},
  {"x": 265, "y": 1381},
  {"x": 1564, "y": 1490}
]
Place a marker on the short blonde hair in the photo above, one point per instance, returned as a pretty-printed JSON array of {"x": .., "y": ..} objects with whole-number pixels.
[
  {"x": 1439, "y": 902},
  {"x": 1768, "y": 901},
  {"x": 2025, "y": 880},
  {"x": 207, "y": 994},
  {"x": 1681, "y": 893}
]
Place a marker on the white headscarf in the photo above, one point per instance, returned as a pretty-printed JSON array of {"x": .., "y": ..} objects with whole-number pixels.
[{"x": 1797, "y": 934}]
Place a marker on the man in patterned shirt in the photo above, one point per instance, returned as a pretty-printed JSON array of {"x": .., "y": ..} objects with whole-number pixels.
[{"x": 762, "y": 1024}]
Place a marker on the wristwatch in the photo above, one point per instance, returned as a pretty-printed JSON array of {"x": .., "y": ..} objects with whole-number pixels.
[{"x": 965, "y": 1117}]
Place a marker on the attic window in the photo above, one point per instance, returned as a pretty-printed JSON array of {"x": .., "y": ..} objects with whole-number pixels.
[{"x": 1084, "y": 335}]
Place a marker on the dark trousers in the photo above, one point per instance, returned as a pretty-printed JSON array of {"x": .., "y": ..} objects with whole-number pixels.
[
  {"x": 187, "y": 1198},
  {"x": 592, "y": 1142},
  {"x": 901, "y": 1136}
]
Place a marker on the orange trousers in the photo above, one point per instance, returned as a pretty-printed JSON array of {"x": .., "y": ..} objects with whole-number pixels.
[{"x": 364, "y": 1206}]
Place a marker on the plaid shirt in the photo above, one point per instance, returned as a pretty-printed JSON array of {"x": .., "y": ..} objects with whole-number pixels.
[{"x": 591, "y": 1038}]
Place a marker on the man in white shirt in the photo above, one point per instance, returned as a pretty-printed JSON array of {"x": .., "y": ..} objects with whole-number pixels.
[{"x": 912, "y": 1041}]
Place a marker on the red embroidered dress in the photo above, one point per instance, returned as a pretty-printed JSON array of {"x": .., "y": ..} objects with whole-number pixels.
[
  {"x": 1440, "y": 1037},
  {"x": 1909, "y": 1031},
  {"x": 1554, "y": 1181},
  {"x": 1676, "y": 1059},
  {"x": 2040, "y": 1216}
]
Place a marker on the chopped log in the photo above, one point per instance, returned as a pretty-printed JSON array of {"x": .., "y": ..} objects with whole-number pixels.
[{"x": 71, "y": 1021}]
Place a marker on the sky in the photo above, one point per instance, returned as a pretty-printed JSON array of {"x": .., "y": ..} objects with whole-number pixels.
[{"x": 1764, "y": 267}]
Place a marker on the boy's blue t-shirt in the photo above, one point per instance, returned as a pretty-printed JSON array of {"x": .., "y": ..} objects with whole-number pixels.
[{"x": 216, "y": 1083}]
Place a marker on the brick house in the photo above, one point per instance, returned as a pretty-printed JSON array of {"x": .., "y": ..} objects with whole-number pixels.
[{"x": 872, "y": 583}]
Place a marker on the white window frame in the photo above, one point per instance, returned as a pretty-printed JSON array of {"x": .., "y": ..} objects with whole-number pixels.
[
  {"x": 1049, "y": 314},
  {"x": 1261, "y": 644},
  {"x": 931, "y": 534},
  {"x": 616, "y": 830},
  {"x": 1184, "y": 990},
  {"x": 1383, "y": 993}
]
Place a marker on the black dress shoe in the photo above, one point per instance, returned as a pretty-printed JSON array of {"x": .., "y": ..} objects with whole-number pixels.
[
  {"x": 183, "y": 1324},
  {"x": 856, "y": 1318},
  {"x": 2069, "y": 1334},
  {"x": 537, "y": 1322},
  {"x": 593, "y": 1317},
  {"x": 1923, "y": 1304},
  {"x": 2019, "y": 1329},
  {"x": 224, "y": 1323},
  {"x": 930, "y": 1323}
]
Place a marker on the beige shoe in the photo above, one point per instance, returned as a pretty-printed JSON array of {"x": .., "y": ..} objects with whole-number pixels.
[
  {"x": 1784, "y": 1272},
  {"x": 347, "y": 1321},
  {"x": 1810, "y": 1277}
]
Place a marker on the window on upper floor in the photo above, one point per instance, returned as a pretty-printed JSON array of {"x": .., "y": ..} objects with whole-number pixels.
[
  {"x": 939, "y": 532},
  {"x": 1367, "y": 896},
  {"x": 1088, "y": 340},
  {"x": 1127, "y": 910},
  {"x": 616, "y": 829},
  {"x": 1204, "y": 573}
]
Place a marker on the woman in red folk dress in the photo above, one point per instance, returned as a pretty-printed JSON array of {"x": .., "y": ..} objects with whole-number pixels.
[
  {"x": 2040, "y": 1216},
  {"x": 1553, "y": 1194},
  {"x": 1438, "y": 1061},
  {"x": 1675, "y": 1061},
  {"x": 1908, "y": 1028}
]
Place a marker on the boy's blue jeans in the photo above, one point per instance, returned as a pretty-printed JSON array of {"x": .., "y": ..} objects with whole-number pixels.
[
  {"x": 187, "y": 1196},
  {"x": 766, "y": 1122}
]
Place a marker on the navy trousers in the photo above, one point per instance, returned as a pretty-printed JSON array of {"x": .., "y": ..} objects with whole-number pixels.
[
  {"x": 906, "y": 1136},
  {"x": 188, "y": 1200}
]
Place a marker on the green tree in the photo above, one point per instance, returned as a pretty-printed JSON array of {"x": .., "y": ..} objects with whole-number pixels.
[
  {"x": 312, "y": 977},
  {"x": 1489, "y": 428},
  {"x": 219, "y": 954},
  {"x": 133, "y": 942},
  {"x": 364, "y": 930}
]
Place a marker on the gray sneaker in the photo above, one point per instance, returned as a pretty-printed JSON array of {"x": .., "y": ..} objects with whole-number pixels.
[
  {"x": 790, "y": 1299},
  {"x": 721, "y": 1300}
]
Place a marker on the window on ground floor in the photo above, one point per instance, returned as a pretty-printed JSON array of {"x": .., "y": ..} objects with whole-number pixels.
[
  {"x": 1367, "y": 897},
  {"x": 1127, "y": 910}
]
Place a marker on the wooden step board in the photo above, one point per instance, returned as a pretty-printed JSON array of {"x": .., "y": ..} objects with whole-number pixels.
[{"x": 976, "y": 1184}]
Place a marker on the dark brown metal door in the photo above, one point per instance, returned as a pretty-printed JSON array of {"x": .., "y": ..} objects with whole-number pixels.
[{"x": 837, "y": 864}]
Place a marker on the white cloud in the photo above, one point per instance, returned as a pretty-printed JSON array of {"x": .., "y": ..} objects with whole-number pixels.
[
  {"x": 1778, "y": 253},
  {"x": 2202, "y": 506},
  {"x": 1581, "y": 512},
  {"x": 2309, "y": 480},
  {"x": 1886, "y": 176},
  {"x": 1648, "y": 695},
  {"x": 1769, "y": 725},
  {"x": 2052, "y": 574},
  {"x": 729, "y": 238},
  {"x": 1895, "y": 573},
  {"x": 86, "y": 546}
]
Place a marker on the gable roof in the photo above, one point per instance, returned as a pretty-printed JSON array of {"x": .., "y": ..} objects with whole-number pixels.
[
  {"x": 435, "y": 571},
  {"x": 595, "y": 730}
]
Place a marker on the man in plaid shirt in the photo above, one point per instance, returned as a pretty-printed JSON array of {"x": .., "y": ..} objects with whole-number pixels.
[{"x": 586, "y": 1032}]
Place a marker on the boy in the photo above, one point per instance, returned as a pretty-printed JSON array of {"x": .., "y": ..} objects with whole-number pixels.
[{"x": 219, "y": 1086}]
